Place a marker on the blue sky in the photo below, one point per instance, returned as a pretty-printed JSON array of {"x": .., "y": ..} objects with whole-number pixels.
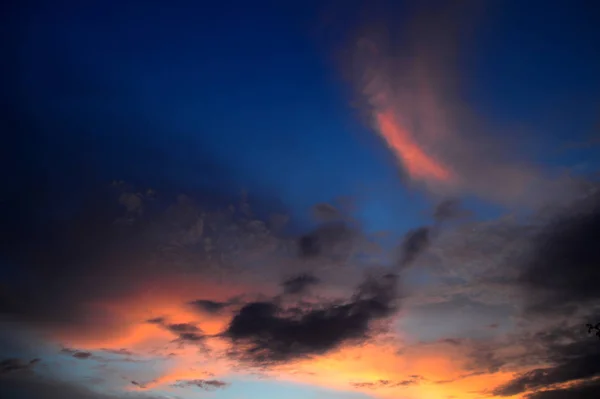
[{"x": 179, "y": 95}]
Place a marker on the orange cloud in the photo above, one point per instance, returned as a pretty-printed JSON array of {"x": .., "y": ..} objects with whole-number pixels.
[{"x": 417, "y": 162}]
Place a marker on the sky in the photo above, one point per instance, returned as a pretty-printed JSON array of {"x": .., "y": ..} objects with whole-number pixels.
[{"x": 318, "y": 199}]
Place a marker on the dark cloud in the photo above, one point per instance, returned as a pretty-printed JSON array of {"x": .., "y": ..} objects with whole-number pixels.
[
  {"x": 586, "y": 390},
  {"x": 299, "y": 284},
  {"x": 76, "y": 353},
  {"x": 208, "y": 306},
  {"x": 570, "y": 354},
  {"x": 263, "y": 332},
  {"x": 185, "y": 332},
  {"x": 562, "y": 272},
  {"x": 324, "y": 239},
  {"x": 156, "y": 320},
  {"x": 207, "y": 385},
  {"x": 594, "y": 329},
  {"x": 13, "y": 365},
  {"x": 414, "y": 243}
]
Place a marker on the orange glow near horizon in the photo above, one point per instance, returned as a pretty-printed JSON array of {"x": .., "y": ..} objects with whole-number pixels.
[
  {"x": 438, "y": 366},
  {"x": 418, "y": 163}
]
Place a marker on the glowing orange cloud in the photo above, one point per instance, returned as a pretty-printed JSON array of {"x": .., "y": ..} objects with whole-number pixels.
[{"x": 418, "y": 163}]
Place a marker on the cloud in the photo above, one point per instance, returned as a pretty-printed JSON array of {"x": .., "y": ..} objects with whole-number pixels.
[
  {"x": 414, "y": 380},
  {"x": 264, "y": 332},
  {"x": 570, "y": 355},
  {"x": 406, "y": 72},
  {"x": 185, "y": 332},
  {"x": 327, "y": 239},
  {"x": 299, "y": 284},
  {"x": 413, "y": 244},
  {"x": 585, "y": 390},
  {"x": 14, "y": 365},
  {"x": 121, "y": 351},
  {"x": 77, "y": 354},
  {"x": 209, "y": 306},
  {"x": 562, "y": 271},
  {"x": 207, "y": 385}
]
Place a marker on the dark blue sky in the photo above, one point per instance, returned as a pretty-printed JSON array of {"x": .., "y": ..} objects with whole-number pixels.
[{"x": 222, "y": 96}]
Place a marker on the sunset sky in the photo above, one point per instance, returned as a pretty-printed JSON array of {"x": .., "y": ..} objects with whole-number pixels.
[{"x": 300, "y": 199}]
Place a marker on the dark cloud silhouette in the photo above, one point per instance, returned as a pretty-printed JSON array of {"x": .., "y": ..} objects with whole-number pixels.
[
  {"x": 13, "y": 365},
  {"x": 185, "y": 332},
  {"x": 299, "y": 284},
  {"x": 585, "y": 390},
  {"x": 414, "y": 243},
  {"x": 207, "y": 385},
  {"x": 77, "y": 354},
  {"x": 208, "y": 306},
  {"x": 562, "y": 272},
  {"x": 264, "y": 332},
  {"x": 572, "y": 356}
]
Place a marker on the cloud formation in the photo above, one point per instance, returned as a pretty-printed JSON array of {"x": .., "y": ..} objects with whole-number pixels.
[
  {"x": 264, "y": 332},
  {"x": 407, "y": 77}
]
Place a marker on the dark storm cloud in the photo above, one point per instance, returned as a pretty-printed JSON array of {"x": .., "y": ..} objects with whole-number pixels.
[
  {"x": 299, "y": 284},
  {"x": 563, "y": 271},
  {"x": 263, "y": 332},
  {"x": 207, "y": 385},
  {"x": 415, "y": 242}
]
